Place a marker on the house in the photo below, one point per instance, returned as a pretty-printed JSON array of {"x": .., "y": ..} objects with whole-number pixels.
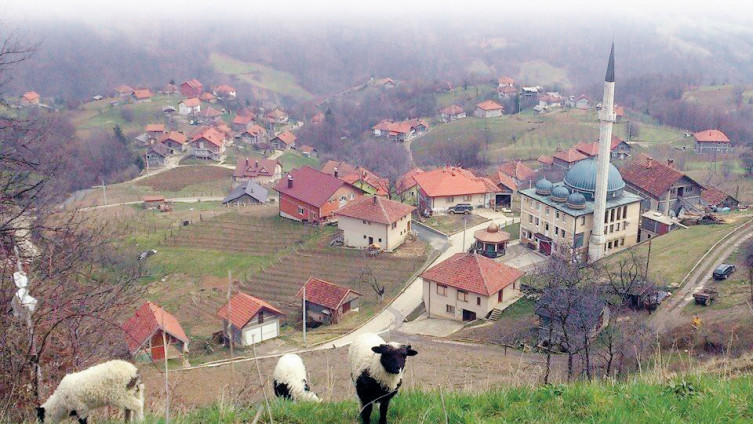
[
  {"x": 284, "y": 141},
  {"x": 326, "y": 303},
  {"x": 247, "y": 112},
  {"x": 489, "y": 109},
  {"x": 618, "y": 148},
  {"x": 262, "y": 171},
  {"x": 207, "y": 97},
  {"x": 539, "y": 109},
  {"x": 317, "y": 119},
  {"x": 530, "y": 92},
  {"x": 374, "y": 220},
  {"x": 222, "y": 127},
  {"x": 664, "y": 188},
  {"x": 277, "y": 116},
  {"x": 655, "y": 224},
  {"x": 551, "y": 99},
  {"x": 253, "y": 134},
  {"x": 247, "y": 193},
  {"x": 153, "y": 201},
  {"x": 573, "y": 312},
  {"x": 400, "y": 131},
  {"x": 224, "y": 92},
  {"x": 506, "y": 92},
  {"x": 207, "y": 143},
  {"x": 308, "y": 151},
  {"x": 712, "y": 141},
  {"x": 142, "y": 95},
  {"x": 505, "y": 82},
  {"x": 123, "y": 91},
  {"x": 584, "y": 102},
  {"x": 190, "y": 106},
  {"x": 443, "y": 188},
  {"x": 518, "y": 171},
  {"x": 565, "y": 159},
  {"x": 174, "y": 140},
  {"x": 169, "y": 89},
  {"x": 619, "y": 113},
  {"x": 191, "y": 88},
  {"x": 241, "y": 122},
  {"x": 155, "y": 131},
  {"x": 468, "y": 286},
  {"x": 30, "y": 98},
  {"x": 148, "y": 329},
  {"x": 359, "y": 177},
  {"x": 717, "y": 200},
  {"x": 210, "y": 115},
  {"x": 546, "y": 161},
  {"x": 156, "y": 155},
  {"x": 250, "y": 320},
  {"x": 506, "y": 188},
  {"x": 407, "y": 188},
  {"x": 452, "y": 113},
  {"x": 312, "y": 196}
]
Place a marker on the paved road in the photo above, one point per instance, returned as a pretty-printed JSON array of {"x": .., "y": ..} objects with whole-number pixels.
[{"x": 668, "y": 315}]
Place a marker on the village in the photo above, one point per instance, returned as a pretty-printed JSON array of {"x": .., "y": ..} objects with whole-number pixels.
[{"x": 257, "y": 244}]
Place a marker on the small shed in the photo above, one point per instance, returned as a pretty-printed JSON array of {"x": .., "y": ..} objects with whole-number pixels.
[
  {"x": 491, "y": 241},
  {"x": 248, "y": 193},
  {"x": 153, "y": 201},
  {"x": 327, "y": 302},
  {"x": 145, "y": 329},
  {"x": 251, "y": 320}
]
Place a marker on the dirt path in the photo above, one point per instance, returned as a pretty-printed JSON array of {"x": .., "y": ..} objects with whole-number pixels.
[{"x": 669, "y": 315}]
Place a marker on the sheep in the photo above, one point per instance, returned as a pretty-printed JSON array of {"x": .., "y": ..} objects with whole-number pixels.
[
  {"x": 376, "y": 369},
  {"x": 290, "y": 379},
  {"x": 113, "y": 383}
]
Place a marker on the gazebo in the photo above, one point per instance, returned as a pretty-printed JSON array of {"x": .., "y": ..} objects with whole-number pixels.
[{"x": 491, "y": 242}]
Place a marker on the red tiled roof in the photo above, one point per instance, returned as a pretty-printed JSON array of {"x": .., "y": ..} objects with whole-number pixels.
[
  {"x": 324, "y": 293},
  {"x": 619, "y": 110},
  {"x": 287, "y": 137},
  {"x": 146, "y": 321},
  {"x": 142, "y": 93},
  {"x": 505, "y": 80},
  {"x": 343, "y": 168},
  {"x": 711, "y": 136},
  {"x": 242, "y": 120},
  {"x": 518, "y": 170},
  {"x": 170, "y": 88},
  {"x": 570, "y": 155},
  {"x": 243, "y": 308},
  {"x": 376, "y": 209},
  {"x": 545, "y": 159},
  {"x": 650, "y": 175},
  {"x": 210, "y": 112},
  {"x": 382, "y": 185},
  {"x": 124, "y": 89},
  {"x": 406, "y": 181},
  {"x": 206, "y": 96},
  {"x": 175, "y": 136},
  {"x": 592, "y": 149},
  {"x": 224, "y": 88},
  {"x": 255, "y": 130},
  {"x": 498, "y": 177},
  {"x": 713, "y": 196},
  {"x": 192, "y": 102},
  {"x": 155, "y": 128},
  {"x": 309, "y": 186},
  {"x": 277, "y": 114},
  {"x": 318, "y": 118},
  {"x": 306, "y": 149},
  {"x": 490, "y": 105},
  {"x": 31, "y": 96},
  {"x": 223, "y": 128},
  {"x": 451, "y": 181},
  {"x": 507, "y": 89},
  {"x": 209, "y": 134},
  {"x": 452, "y": 110},
  {"x": 193, "y": 83},
  {"x": 255, "y": 168},
  {"x": 247, "y": 112},
  {"x": 473, "y": 273},
  {"x": 583, "y": 96}
]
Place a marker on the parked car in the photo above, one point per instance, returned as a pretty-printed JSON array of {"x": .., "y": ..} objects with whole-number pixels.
[
  {"x": 723, "y": 271},
  {"x": 463, "y": 208}
]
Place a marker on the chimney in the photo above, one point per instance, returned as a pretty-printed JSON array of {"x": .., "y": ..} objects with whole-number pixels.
[
  {"x": 290, "y": 181},
  {"x": 671, "y": 163},
  {"x": 336, "y": 173},
  {"x": 256, "y": 164},
  {"x": 374, "y": 201},
  {"x": 246, "y": 161}
]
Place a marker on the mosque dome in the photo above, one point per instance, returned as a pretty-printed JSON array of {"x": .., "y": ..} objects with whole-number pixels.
[
  {"x": 576, "y": 201},
  {"x": 560, "y": 193},
  {"x": 581, "y": 178},
  {"x": 543, "y": 187}
]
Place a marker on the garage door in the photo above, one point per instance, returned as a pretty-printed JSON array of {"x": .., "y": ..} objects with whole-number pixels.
[
  {"x": 251, "y": 336},
  {"x": 269, "y": 331}
]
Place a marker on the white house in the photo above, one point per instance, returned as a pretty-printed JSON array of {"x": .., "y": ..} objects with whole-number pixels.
[
  {"x": 374, "y": 220},
  {"x": 489, "y": 109},
  {"x": 190, "y": 106},
  {"x": 250, "y": 320}
]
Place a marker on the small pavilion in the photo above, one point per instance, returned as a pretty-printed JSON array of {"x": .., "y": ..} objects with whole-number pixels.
[{"x": 491, "y": 242}]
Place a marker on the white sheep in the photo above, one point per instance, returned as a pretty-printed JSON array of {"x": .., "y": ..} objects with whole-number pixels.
[
  {"x": 376, "y": 369},
  {"x": 290, "y": 379},
  {"x": 113, "y": 383}
]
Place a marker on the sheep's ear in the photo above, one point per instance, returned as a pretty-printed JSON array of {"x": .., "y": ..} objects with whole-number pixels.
[
  {"x": 410, "y": 352},
  {"x": 40, "y": 413},
  {"x": 380, "y": 349}
]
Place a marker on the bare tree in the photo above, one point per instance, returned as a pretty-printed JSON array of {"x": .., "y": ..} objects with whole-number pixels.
[
  {"x": 365, "y": 275},
  {"x": 625, "y": 274}
]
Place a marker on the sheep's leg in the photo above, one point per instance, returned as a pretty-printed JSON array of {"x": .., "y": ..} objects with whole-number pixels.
[
  {"x": 83, "y": 414},
  {"x": 127, "y": 415},
  {"x": 383, "y": 406},
  {"x": 134, "y": 409},
  {"x": 366, "y": 413},
  {"x": 82, "y": 420}
]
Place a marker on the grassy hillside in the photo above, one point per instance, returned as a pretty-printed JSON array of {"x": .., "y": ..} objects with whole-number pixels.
[
  {"x": 706, "y": 399},
  {"x": 261, "y": 76}
]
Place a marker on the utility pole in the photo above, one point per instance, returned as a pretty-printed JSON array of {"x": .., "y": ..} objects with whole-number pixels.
[
  {"x": 465, "y": 227},
  {"x": 304, "y": 315},
  {"x": 648, "y": 259},
  {"x": 167, "y": 384},
  {"x": 229, "y": 329}
]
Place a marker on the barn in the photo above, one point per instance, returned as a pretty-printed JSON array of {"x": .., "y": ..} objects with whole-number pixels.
[
  {"x": 144, "y": 333},
  {"x": 250, "y": 320}
]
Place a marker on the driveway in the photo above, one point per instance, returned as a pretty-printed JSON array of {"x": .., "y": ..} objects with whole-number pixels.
[
  {"x": 435, "y": 327},
  {"x": 521, "y": 257}
]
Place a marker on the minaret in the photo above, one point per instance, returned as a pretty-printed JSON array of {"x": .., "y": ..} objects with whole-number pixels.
[{"x": 606, "y": 119}]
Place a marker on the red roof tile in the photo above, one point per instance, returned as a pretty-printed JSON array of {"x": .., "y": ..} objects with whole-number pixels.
[
  {"x": 155, "y": 128},
  {"x": 490, "y": 105},
  {"x": 31, "y": 96},
  {"x": 224, "y": 89},
  {"x": 287, "y": 137},
  {"x": 324, "y": 293},
  {"x": 650, "y": 175},
  {"x": 318, "y": 118},
  {"x": 406, "y": 181},
  {"x": 619, "y": 110},
  {"x": 570, "y": 155},
  {"x": 243, "y": 308},
  {"x": 192, "y": 102},
  {"x": 242, "y": 120},
  {"x": 506, "y": 80},
  {"x": 146, "y": 321},
  {"x": 452, "y": 110},
  {"x": 545, "y": 159},
  {"x": 153, "y": 198},
  {"x": 210, "y": 112},
  {"x": 376, "y": 209},
  {"x": 124, "y": 89},
  {"x": 711, "y": 136},
  {"x": 473, "y": 273},
  {"x": 451, "y": 181},
  {"x": 193, "y": 83},
  {"x": 713, "y": 196},
  {"x": 175, "y": 136},
  {"x": 309, "y": 186},
  {"x": 245, "y": 168},
  {"x": 498, "y": 177},
  {"x": 209, "y": 134},
  {"x": 206, "y": 96},
  {"x": 518, "y": 170},
  {"x": 306, "y": 149},
  {"x": 351, "y": 174},
  {"x": 592, "y": 149},
  {"x": 142, "y": 93},
  {"x": 277, "y": 114},
  {"x": 343, "y": 168}
]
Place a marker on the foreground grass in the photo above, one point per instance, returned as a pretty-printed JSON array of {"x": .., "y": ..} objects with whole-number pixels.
[{"x": 705, "y": 399}]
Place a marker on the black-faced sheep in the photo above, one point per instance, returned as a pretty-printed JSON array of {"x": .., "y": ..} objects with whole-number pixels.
[
  {"x": 113, "y": 383},
  {"x": 376, "y": 369},
  {"x": 290, "y": 379}
]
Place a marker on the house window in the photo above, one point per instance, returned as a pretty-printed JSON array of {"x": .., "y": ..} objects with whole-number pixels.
[
  {"x": 300, "y": 210},
  {"x": 557, "y": 214},
  {"x": 609, "y": 245},
  {"x": 441, "y": 290},
  {"x": 478, "y": 301},
  {"x": 394, "y": 225},
  {"x": 546, "y": 210},
  {"x": 689, "y": 189},
  {"x": 563, "y": 233},
  {"x": 530, "y": 218},
  {"x": 467, "y": 197},
  {"x": 462, "y": 295},
  {"x": 380, "y": 240},
  {"x": 622, "y": 241},
  {"x": 582, "y": 220},
  {"x": 546, "y": 226},
  {"x": 450, "y": 199},
  {"x": 450, "y": 309},
  {"x": 611, "y": 228},
  {"x": 537, "y": 222}
]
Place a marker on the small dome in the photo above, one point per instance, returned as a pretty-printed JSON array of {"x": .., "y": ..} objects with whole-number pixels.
[
  {"x": 560, "y": 193},
  {"x": 576, "y": 201},
  {"x": 582, "y": 178},
  {"x": 543, "y": 187},
  {"x": 492, "y": 228}
]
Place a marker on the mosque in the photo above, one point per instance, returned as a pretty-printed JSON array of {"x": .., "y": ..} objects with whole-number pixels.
[{"x": 558, "y": 218}]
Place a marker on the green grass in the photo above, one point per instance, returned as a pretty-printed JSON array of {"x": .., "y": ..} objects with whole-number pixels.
[
  {"x": 539, "y": 72},
  {"x": 198, "y": 262},
  {"x": 513, "y": 230},
  {"x": 260, "y": 76},
  {"x": 291, "y": 160},
  {"x": 694, "y": 399},
  {"x": 451, "y": 224},
  {"x": 467, "y": 97}
]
